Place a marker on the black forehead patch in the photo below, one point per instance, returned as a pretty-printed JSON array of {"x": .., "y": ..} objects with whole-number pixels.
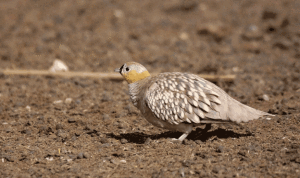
[{"x": 121, "y": 68}]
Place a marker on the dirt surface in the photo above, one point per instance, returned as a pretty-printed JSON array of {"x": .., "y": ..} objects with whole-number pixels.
[{"x": 80, "y": 127}]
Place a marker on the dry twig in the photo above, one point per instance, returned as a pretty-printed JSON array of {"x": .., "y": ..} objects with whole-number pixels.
[{"x": 111, "y": 76}]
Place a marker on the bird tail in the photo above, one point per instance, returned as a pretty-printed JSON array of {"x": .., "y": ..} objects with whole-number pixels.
[{"x": 238, "y": 112}]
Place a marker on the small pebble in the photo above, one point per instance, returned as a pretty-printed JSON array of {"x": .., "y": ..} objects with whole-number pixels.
[
  {"x": 118, "y": 13},
  {"x": 148, "y": 141},
  {"x": 8, "y": 130},
  {"x": 184, "y": 36},
  {"x": 104, "y": 140},
  {"x": 192, "y": 172},
  {"x": 106, "y": 97},
  {"x": 43, "y": 129},
  {"x": 52, "y": 137},
  {"x": 73, "y": 138},
  {"x": 88, "y": 128},
  {"x": 215, "y": 169},
  {"x": 28, "y": 108},
  {"x": 105, "y": 117},
  {"x": 235, "y": 69},
  {"x": 49, "y": 158},
  {"x": 265, "y": 97},
  {"x": 9, "y": 158},
  {"x": 220, "y": 149},
  {"x": 114, "y": 161},
  {"x": 59, "y": 66},
  {"x": 72, "y": 157},
  {"x": 68, "y": 100},
  {"x": 185, "y": 142},
  {"x": 106, "y": 145},
  {"x": 199, "y": 142},
  {"x": 57, "y": 102},
  {"x": 59, "y": 126},
  {"x": 268, "y": 118},
  {"x": 80, "y": 156},
  {"x": 253, "y": 28},
  {"x": 71, "y": 120},
  {"x": 78, "y": 132},
  {"x": 123, "y": 141},
  {"x": 27, "y": 132},
  {"x": 86, "y": 155},
  {"x": 123, "y": 161}
]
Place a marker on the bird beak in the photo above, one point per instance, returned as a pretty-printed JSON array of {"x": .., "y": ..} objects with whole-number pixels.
[{"x": 117, "y": 70}]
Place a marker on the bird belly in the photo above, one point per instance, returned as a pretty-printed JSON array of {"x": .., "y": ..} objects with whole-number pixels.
[{"x": 180, "y": 127}]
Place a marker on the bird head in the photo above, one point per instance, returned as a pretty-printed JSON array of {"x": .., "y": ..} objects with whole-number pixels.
[{"x": 133, "y": 72}]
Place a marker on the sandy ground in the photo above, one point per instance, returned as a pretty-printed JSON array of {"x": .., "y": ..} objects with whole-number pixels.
[{"x": 99, "y": 133}]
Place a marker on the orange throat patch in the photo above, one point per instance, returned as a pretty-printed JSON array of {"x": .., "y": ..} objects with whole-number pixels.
[{"x": 133, "y": 76}]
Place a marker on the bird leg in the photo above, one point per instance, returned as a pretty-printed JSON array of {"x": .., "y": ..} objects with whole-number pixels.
[
  {"x": 184, "y": 135},
  {"x": 188, "y": 130},
  {"x": 207, "y": 127}
]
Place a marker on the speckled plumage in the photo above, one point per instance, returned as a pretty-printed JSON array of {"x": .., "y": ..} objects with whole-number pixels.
[
  {"x": 180, "y": 101},
  {"x": 182, "y": 97}
]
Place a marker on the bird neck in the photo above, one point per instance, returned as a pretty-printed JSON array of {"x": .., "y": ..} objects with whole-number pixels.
[{"x": 135, "y": 90}]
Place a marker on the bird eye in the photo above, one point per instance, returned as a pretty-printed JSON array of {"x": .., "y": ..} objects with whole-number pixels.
[{"x": 127, "y": 69}]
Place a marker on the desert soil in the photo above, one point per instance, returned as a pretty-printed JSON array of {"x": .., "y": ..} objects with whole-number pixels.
[{"x": 83, "y": 127}]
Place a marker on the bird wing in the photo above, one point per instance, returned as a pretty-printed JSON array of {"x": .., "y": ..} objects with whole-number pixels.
[{"x": 183, "y": 97}]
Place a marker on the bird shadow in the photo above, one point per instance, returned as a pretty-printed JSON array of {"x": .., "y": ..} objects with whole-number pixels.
[{"x": 198, "y": 134}]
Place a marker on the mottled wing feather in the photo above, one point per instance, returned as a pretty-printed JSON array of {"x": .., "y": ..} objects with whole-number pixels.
[{"x": 182, "y": 97}]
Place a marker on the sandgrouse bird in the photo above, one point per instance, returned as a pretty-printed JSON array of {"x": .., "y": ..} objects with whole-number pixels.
[{"x": 180, "y": 101}]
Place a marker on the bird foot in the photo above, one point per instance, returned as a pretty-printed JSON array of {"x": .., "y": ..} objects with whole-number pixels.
[
  {"x": 181, "y": 138},
  {"x": 175, "y": 140}
]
